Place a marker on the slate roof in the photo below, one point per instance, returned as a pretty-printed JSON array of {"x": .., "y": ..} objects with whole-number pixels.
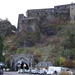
[{"x": 44, "y": 64}]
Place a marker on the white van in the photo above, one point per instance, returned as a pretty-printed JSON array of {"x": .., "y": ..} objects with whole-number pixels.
[{"x": 58, "y": 70}]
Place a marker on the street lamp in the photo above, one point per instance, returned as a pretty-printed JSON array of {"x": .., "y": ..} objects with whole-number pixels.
[
  {"x": 3, "y": 53},
  {"x": 31, "y": 61}
]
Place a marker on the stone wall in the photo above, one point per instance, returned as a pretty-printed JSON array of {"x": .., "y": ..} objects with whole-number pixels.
[
  {"x": 28, "y": 59},
  {"x": 72, "y": 13},
  {"x": 62, "y": 11},
  {"x": 30, "y": 24}
]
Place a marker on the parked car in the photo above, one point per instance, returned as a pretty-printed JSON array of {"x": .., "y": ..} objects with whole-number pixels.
[
  {"x": 41, "y": 72},
  {"x": 7, "y": 69},
  {"x": 34, "y": 71},
  {"x": 23, "y": 71},
  {"x": 58, "y": 70}
]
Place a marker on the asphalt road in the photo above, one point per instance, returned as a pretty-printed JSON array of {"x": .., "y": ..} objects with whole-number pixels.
[
  {"x": 11, "y": 73},
  {"x": 16, "y": 73}
]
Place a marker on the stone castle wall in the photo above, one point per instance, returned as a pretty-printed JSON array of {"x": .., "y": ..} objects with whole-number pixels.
[{"x": 34, "y": 15}]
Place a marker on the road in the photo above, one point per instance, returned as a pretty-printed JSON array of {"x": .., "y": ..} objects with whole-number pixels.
[
  {"x": 16, "y": 73},
  {"x": 12, "y": 73}
]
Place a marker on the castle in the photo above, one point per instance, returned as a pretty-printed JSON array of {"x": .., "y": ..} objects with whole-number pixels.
[{"x": 31, "y": 22}]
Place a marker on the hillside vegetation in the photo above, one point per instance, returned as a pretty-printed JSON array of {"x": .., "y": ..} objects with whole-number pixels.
[{"x": 54, "y": 43}]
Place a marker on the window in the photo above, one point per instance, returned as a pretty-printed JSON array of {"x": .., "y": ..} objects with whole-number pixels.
[
  {"x": 74, "y": 17},
  {"x": 58, "y": 7},
  {"x": 37, "y": 13},
  {"x": 29, "y": 29},
  {"x": 29, "y": 21},
  {"x": 45, "y": 13},
  {"x": 22, "y": 21}
]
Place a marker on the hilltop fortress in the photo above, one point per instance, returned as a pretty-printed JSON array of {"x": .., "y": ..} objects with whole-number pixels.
[{"x": 41, "y": 17}]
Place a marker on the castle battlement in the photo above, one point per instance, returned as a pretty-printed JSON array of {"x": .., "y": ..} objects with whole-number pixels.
[{"x": 66, "y": 12}]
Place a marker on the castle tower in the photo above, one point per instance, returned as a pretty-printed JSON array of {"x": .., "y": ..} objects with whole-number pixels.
[
  {"x": 29, "y": 24},
  {"x": 20, "y": 25},
  {"x": 72, "y": 12}
]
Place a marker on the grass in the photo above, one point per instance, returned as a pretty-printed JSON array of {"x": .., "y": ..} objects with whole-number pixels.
[{"x": 47, "y": 53}]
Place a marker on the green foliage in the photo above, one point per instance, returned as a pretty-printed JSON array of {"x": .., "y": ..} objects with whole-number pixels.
[
  {"x": 57, "y": 61},
  {"x": 62, "y": 60},
  {"x": 64, "y": 53},
  {"x": 33, "y": 37},
  {"x": 1, "y": 48},
  {"x": 19, "y": 50},
  {"x": 69, "y": 36},
  {"x": 72, "y": 53},
  {"x": 67, "y": 53},
  {"x": 26, "y": 50},
  {"x": 71, "y": 39},
  {"x": 74, "y": 63},
  {"x": 68, "y": 42}
]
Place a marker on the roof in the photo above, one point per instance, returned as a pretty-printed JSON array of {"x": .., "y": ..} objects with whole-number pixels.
[{"x": 44, "y": 64}]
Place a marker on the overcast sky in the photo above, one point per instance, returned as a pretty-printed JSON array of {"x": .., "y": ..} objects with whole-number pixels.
[{"x": 12, "y": 8}]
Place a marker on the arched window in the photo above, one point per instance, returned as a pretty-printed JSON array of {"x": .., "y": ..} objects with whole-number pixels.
[{"x": 29, "y": 29}]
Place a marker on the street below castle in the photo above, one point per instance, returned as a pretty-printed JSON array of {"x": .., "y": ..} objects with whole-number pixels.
[{"x": 16, "y": 73}]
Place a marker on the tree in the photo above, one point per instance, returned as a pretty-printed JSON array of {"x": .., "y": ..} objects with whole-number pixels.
[
  {"x": 69, "y": 45},
  {"x": 1, "y": 48}
]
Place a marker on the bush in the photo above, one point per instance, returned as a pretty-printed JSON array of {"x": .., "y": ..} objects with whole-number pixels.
[
  {"x": 57, "y": 62},
  {"x": 65, "y": 73},
  {"x": 36, "y": 53},
  {"x": 68, "y": 63},
  {"x": 13, "y": 48},
  {"x": 74, "y": 62},
  {"x": 62, "y": 60}
]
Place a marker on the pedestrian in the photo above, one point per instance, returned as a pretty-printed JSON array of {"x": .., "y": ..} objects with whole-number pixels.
[
  {"x": 19, "y": 67},
  {"x": 55, "y": 72}
]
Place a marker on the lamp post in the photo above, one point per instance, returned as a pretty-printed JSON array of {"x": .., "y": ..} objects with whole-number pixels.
[
  {"x": 31, "y": 62},
  {"x": 3, "y": 53}
]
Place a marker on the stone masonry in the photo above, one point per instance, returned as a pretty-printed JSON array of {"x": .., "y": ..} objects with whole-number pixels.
[
  {"x": 15, "y": 59},
  {"x": 31, "y": 22}
]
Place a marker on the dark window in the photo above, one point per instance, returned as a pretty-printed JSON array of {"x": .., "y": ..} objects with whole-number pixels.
[
  {"x": 65, "y": 6},
  {"x": 45, "y": 13},
  {"x": 56, "y": 13},
  {"x": 28, "y": 20},
  {"x": 74, "y": 17},
  {"x": 37, "y": 13},
  {"x": 29, "y": 29},
  {"x": 22, "y": 21},
  {"x": 58, "y": 7}
]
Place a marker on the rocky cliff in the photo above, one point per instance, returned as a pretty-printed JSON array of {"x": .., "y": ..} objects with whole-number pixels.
[{"x": 6, "y": 28}]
